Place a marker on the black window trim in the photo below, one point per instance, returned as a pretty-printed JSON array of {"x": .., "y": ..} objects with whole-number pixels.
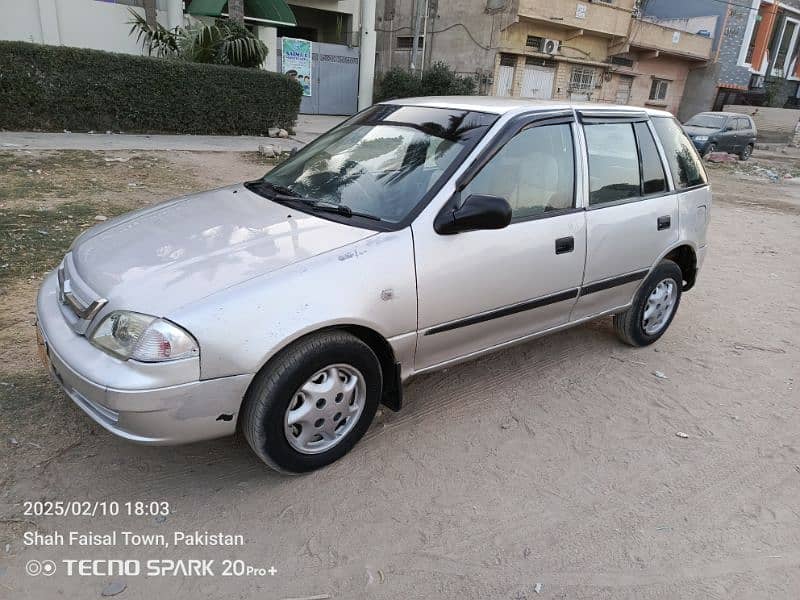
[
  {"x": 511, "y": 129},
  {"x": 632, "y": 199},
  {"x": 666, "y": 189}
]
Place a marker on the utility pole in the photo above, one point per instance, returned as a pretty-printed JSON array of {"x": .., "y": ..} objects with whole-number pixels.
[
  {"x": 415, "y": 35},
  {"x": 366, "y": 63}
]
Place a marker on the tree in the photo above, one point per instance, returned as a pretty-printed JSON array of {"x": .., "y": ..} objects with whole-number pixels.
[
  {"x": 236, "y": 11},
  {"x": 150, "y": 14},
  {"x": 223, "y": 43}
]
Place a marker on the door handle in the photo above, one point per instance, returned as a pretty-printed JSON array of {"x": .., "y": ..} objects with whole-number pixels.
[
  {"x": 565, "y": 244},
  {"x": 664, "y": 222}
]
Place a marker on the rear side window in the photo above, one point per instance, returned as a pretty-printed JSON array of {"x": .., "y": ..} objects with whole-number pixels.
[
  {"x": 654, "y": 180},
  {"x": 613, "y": 162},
  {"x": 687, "y": 169}
]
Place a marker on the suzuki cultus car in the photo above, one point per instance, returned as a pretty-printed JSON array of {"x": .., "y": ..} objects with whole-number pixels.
[{"x": 416, "y": 234}]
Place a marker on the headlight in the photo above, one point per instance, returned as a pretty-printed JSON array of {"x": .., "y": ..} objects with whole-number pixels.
[
  {"x": 701, "y": 138},
  {"x": 144, "y": 338}
]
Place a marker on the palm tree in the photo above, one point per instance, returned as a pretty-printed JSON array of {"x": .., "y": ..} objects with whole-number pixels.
[
  {"x": 224, "y": 43},
  {"x": 236, "y": 11},
  {"x": 150, "y": 12}
]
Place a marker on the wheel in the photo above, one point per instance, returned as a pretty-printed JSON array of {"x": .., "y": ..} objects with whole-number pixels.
[
  {"x": 312, "y": 402},
  {"x": 746, "y": 152},
  {"x": 653, "y": 307},
  {"x": 712, "y": 147}
]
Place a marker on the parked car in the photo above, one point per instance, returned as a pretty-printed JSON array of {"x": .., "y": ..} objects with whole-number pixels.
[
  {"x": 722, "y": 132},
  {"x": 415, "y": 235}
]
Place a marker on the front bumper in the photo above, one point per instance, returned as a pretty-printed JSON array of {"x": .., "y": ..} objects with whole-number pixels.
[
  {"x": 139, "y": 402},
  {"x": 701, "y": 146}
]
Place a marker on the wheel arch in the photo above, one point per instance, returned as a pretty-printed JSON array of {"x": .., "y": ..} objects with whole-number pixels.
[
  {"x": 684, "y": 255},
  {"x": 392, "y": 395}
]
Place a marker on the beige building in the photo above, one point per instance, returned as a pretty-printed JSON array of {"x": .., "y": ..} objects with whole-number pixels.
[{"x": 597, "y": 51}]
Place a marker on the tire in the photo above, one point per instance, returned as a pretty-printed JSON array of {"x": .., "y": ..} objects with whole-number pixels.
[
  {"x": 746, "y": 152},
  {"x": 265, "y": 413},
  {"x": 712, "y": 147},
  {"x": 630, "y": 325}
]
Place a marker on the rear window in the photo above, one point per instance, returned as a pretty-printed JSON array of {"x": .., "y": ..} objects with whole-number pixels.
[{"x": 684, "y": 162}]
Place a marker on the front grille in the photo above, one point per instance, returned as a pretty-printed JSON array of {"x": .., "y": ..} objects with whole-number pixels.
[{"x": 78, "y": 303}]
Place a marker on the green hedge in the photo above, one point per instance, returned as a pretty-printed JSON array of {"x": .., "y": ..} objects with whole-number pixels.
[
  {"x": 52, "y": 88},
  {"x": 437, "y": 80}
]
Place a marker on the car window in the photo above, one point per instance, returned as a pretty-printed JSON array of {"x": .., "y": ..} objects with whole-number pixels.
[
  {"x": 687, "y": 169},
  {"x": 654, "y": 179},
  {"x": 534, "y": 171},
  {"x": 744, "y": 124},
  {"x": 613, "y": 162}
]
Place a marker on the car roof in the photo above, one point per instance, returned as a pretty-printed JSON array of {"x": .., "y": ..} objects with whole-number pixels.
[
  {"x": 502, "y": 105},
  {"x": 722, "y": 114}
]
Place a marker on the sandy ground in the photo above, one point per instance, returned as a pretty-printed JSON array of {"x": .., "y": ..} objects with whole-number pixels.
[{"x": 550, "y": 470}]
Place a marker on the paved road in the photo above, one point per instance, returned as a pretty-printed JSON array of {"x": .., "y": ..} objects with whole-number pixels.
[{"x": 308, "y": 127}]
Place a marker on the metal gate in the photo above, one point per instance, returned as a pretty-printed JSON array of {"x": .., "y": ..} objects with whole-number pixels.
[
  {"x": 334, "y": 73},
  {"x": 504, "y": 80},
  {"x": 624, "y": 89},
  {"x": 537, "y": 82}
]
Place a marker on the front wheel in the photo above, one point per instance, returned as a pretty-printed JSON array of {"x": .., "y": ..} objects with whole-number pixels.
[
  {"x": 313, "y": 402},
  {"x": 653, "y": 307},
  {"x": 746, "y": 152}
]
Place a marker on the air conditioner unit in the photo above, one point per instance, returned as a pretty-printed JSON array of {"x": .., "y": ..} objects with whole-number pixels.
[{"x": 551, "y": 46}]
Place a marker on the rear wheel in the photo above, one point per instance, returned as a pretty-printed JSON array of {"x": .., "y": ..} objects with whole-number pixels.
[
  {"x": 653, "y": 307},
  {"x": 313, "y": 402},
  {"x": 746, "y": 152}
]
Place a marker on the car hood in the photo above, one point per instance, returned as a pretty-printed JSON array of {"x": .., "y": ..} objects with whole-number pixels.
[
  {"x": 166, "y": 256},
  {"x": 693, "y": 130}
]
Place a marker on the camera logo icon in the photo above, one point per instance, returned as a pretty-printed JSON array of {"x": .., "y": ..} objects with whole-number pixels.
[{"x": 35, "y": 567}]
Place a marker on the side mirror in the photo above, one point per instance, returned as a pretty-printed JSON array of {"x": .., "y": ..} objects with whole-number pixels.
[{"x": 477, "y": 212}]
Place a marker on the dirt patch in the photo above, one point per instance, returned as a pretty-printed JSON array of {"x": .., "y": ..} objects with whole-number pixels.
[{"x": 552, "y": 466}]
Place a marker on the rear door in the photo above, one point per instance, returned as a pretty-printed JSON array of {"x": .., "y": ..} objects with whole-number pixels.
[
  {"x": 690, "y": 181},
  {"x": 632, "y": 216}
]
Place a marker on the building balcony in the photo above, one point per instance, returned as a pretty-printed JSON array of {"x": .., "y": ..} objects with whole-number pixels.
[
  {"x": 651, "y": 36},
  {"x": 607, "y": 18}
]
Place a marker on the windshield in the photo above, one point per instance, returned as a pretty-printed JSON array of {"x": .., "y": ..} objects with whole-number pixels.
[
  {"x": 707, "y": 121},
  {"x": 382, "y": 162}
]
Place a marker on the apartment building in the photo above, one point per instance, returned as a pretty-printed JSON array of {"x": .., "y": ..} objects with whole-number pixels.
[
  {"x": 754, "y": 56},
  {"x": 597, "y": 51}
]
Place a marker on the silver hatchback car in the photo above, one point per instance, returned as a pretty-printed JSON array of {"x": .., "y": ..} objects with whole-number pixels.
[{"x": 414, "y": 235}]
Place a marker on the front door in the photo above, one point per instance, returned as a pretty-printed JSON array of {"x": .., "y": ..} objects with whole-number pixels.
[
  {"x": 632, "y": 217},
  {"x": 727, "y": 139},
  {"x": 480, "y": 289}
]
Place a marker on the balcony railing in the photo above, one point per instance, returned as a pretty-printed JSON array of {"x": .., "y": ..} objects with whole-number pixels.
[
  {"x": 611, "y": 19},
  {"x": 652, "y": 36}
]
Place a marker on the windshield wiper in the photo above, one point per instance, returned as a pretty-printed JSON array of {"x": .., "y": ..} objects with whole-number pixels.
[{"x": 285, "y": 194}]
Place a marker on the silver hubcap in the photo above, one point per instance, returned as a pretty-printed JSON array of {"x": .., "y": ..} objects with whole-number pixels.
[
  {"x": 659, "y": 306},
  {"x": 325, "y": 409}
]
